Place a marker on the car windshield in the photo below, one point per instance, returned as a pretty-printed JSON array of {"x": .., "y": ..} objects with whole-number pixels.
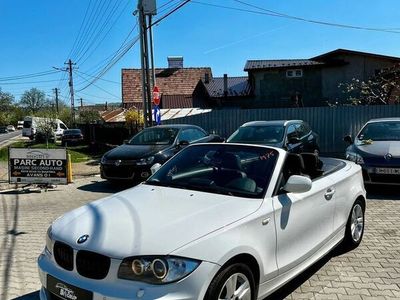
[
  {"x": 381, "y": 131},
  {"x": 155, "y": 136},
  {"x": 72, "y": 131},
  {"x": 233, "y": 170},
  {"x": 269, "y": 134}
]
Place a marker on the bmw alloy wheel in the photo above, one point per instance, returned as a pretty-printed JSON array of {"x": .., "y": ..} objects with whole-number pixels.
[
  {"x": 357, "y": 223},
  {"x": 236, "y": 287}
]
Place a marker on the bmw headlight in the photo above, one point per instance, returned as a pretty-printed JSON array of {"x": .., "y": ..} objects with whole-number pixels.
[
  {"x": 145, "y": 161},
  {"x": 156, "y": 269},
  {"x": 352, "y": 156},
  {"x": 49, "y": 240}
]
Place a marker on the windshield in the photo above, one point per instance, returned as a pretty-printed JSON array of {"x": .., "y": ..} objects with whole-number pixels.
[
  {"x": 72, "y": 131},
  {"x": 270, "y": 134},
  {"x": 381, "y": 131},
  {"x": 27, "y": 124},
  {"x": 155, "y": 136},
  {"x": 224, "y": 169}
]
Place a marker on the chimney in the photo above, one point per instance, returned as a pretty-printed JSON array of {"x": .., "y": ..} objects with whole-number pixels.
[
  {"x": 175, "y": 62},
  {"x": 206, "y": 78},
  {"x": 225, "y": 85}
]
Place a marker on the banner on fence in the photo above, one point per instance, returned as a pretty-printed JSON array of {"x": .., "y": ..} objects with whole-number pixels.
[{"x": 37, "y": 166}]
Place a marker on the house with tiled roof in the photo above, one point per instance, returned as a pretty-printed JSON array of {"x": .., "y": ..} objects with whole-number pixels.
[
  {"x": 176, "y": 83},
  {"x": 224, "y": 92},
  {"x": 314, "y": 81}
]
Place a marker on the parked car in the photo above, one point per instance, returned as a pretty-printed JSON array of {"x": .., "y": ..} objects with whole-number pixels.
[
  {"x": 132, "y": 161},
  {"x": 71, "y": 137},
  {"x": 3, "y": 129},
  {"x": 294, "y": 136},
  {"x": 376, "y": 148},
  {"x": 217, "y": 221},
  {"x": 10, "y": 128}
]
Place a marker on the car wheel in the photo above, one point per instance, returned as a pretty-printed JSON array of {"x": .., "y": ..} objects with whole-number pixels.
[
  {"x": 355, "y": 226},
  {"x": 234, "y": 282}
]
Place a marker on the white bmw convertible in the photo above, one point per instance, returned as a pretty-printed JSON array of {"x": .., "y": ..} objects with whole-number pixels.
[{"x": 217, "y": 221}]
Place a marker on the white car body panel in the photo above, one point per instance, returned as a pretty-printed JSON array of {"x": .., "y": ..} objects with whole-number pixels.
[{"x": 284, "y": 234}]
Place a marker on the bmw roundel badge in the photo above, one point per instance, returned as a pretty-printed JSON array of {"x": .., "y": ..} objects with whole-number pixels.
[{"x": 83, "y": 239}]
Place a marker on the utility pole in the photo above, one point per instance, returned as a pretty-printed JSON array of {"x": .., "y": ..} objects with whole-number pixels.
[
  {"x": 153, "y": 70},
  {"x": 146, "y": 8},
  {"x": 71, "y": 89},
  {"x": 56, "y": 91},
  {"x": 81, "y": 102}
]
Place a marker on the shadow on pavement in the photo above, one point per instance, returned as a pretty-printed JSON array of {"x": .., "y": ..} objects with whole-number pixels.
[
  {"x": 295, "y": 283},
  {"x": 30, "y": 296},
  {"x": 383, "y": 192},
  {"x": 104, "y": 187}
]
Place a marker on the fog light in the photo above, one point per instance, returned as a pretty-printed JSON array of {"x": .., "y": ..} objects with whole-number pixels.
[{"x": 159, "y": 268}]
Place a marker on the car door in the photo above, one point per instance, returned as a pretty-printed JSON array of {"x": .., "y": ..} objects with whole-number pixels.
[{"x": 304, "y": 222}]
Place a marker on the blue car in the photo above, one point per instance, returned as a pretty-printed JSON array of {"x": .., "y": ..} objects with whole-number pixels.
[{"x": 376, "y": 148}]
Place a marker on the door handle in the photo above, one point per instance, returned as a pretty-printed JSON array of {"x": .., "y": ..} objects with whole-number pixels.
[{"x": 329, "y": 193}]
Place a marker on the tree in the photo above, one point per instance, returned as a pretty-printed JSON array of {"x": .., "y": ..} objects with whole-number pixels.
[
  {"x": 134, "y": 120},
  {"x": 6, "y": 101},
  {"x": 34, "y": 100},
  {"x": 88, "y": 116},
  {"x": 384, "y": 88}
]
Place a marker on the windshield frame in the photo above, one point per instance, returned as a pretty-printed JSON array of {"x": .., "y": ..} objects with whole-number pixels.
[
  {"x": 263, "y": 150},
  {"x": 132, "y": 142}
]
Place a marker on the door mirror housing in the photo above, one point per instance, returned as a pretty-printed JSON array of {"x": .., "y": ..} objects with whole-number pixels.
[
  {"x": 293, "y": 140},
  {"x": 348, "y": 140},
  {"x": 154, "y": 168},
  {"x": 298, "y": 184},
  {"x": 183, "y": 143}
]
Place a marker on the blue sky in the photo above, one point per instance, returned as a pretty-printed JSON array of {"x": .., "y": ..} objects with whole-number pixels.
[{"x": 39, "y": 35}]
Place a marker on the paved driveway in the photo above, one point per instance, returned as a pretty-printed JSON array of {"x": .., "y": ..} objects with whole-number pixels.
[{"x": 372, "y": 271}]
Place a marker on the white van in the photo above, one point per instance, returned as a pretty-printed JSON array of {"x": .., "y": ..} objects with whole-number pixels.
[{"x": 31, "y": 125}]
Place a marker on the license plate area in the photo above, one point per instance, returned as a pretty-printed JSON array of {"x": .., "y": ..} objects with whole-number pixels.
[
  {"x": 67, "y": 291},
  {"x": 387, "y": 171}
]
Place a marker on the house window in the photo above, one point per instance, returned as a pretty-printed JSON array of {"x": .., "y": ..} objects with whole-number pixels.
[{"x": 294, "y": 73}]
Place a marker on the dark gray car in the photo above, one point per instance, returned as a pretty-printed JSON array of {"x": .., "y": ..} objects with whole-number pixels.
[
  {"x": 376, "y": 148},
  {"x": 294, "y": 136}
]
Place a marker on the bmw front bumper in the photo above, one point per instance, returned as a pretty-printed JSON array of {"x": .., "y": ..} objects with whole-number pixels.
[{"x": 192, "y": 287}]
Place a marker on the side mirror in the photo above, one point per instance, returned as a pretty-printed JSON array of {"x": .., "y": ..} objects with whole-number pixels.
[
  {"x": 348, "y": 140},
  {"x": 154, "y": 168},
  {"x": 183, "y": 143},
  {"x": 298, "y": 184},
  {"x": 294, "y": 140}
]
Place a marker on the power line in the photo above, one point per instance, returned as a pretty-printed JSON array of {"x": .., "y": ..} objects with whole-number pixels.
[
  {"x": 27, "y": 76},
  {"x": 262, "y": 11},
  {"x": 119, "y": 98},
  {"x": 170, "y": 13},
  {"x": 116, "y": 82},
  {"x": 28, "y": 82}
]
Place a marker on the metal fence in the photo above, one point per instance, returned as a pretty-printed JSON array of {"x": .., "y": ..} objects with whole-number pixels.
[{"x": 331, "y": 123}]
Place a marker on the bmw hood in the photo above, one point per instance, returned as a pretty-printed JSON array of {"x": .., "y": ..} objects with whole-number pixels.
[
  {"x": 379, "y": 148},
  {"x": 126, "y": 152},
  {"x": 149, "y": 220}
]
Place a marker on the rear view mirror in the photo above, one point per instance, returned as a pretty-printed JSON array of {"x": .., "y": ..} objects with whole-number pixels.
[
  {"x": 348, "y": 140},
  {"x": 298, "y": 184},
  {"x": 154, "y": 168}
]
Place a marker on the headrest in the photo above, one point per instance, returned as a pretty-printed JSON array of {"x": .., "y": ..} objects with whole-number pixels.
[
  {"x": 294, "y": 163},
  {"x": 231, "y": 161}
]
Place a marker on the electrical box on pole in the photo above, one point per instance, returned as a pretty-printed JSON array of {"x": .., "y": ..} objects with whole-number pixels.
[{"x": 149, "y": 7}]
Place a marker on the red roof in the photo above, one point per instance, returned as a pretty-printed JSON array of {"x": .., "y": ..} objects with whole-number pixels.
[{"x": 171, "y": 82}]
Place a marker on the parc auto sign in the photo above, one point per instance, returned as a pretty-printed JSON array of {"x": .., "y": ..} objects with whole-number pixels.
[{"x": 37, "y": 166}]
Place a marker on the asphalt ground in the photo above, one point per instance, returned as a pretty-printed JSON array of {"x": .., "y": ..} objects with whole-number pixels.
[{"x": 372, "y": 271}]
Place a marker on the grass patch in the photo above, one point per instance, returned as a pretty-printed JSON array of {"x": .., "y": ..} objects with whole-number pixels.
[{"x": 78, "y": 153}]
